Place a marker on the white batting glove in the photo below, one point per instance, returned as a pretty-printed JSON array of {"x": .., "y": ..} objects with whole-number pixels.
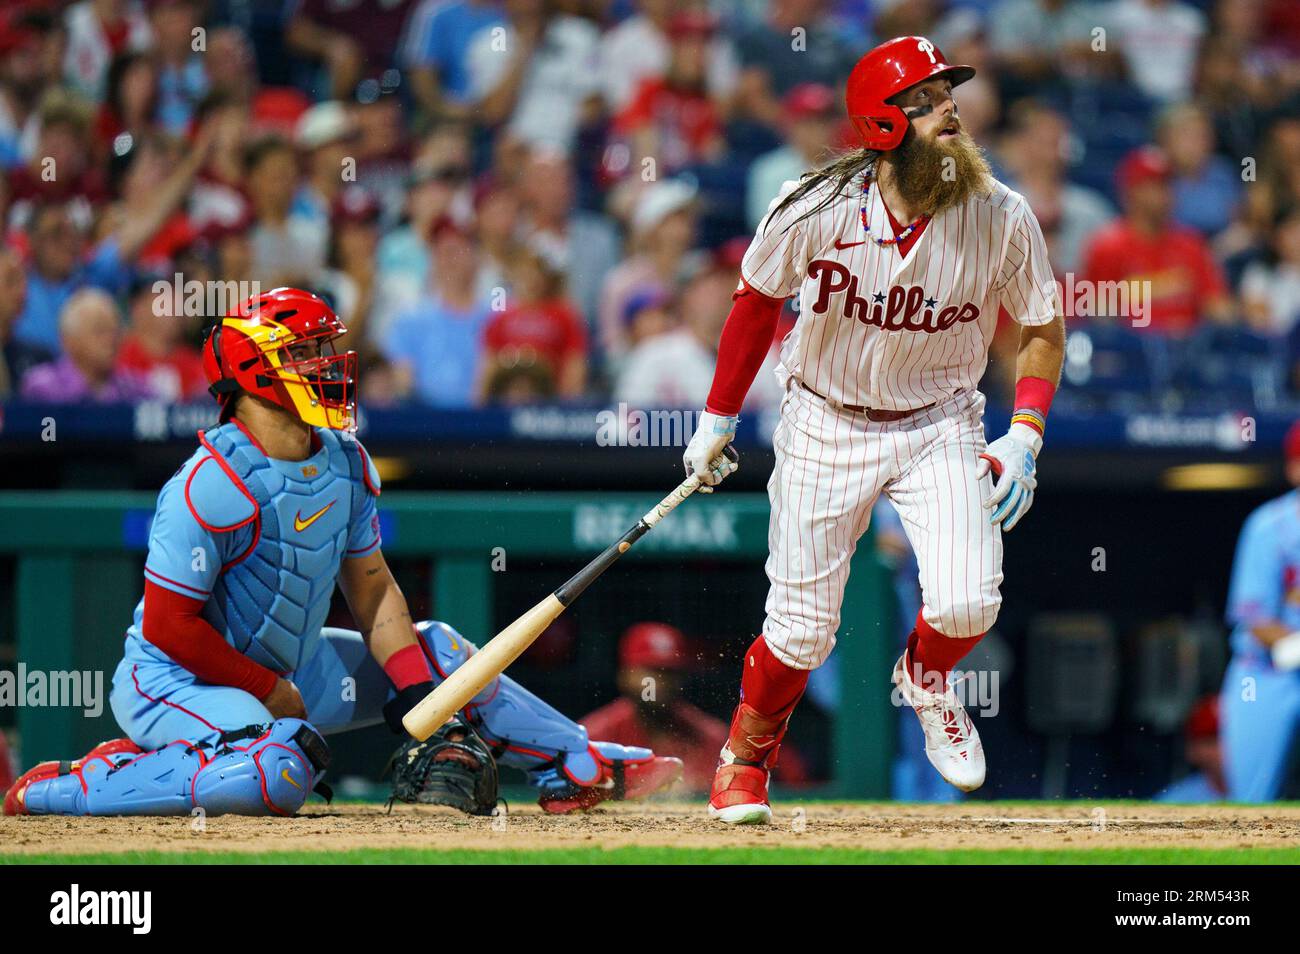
[
  {"x": 703, "y": 454},
  {"x": 1286, "y": 652},
  {"x": 1013, "y": 460}
]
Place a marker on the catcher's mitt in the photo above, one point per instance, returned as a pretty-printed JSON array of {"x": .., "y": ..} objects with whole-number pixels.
[{"x": 452, "y": 767}]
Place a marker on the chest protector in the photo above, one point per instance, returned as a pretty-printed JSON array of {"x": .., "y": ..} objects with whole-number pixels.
[{"x": 285, "y": 543}]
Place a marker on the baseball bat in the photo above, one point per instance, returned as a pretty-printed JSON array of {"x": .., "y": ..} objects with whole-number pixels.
[{"x": 507, "y": 646}]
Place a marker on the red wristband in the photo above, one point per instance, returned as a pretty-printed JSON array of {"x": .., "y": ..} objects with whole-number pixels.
[
  {"x": 408, "y": 667},
  {"x": 1033, "y": 401}
]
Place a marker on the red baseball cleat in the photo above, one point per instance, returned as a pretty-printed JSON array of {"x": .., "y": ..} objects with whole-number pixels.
[
  {"x": 620, "y": 779},
  {"x": 739, "y": 794},
  {"x": 13, "y": 804}
]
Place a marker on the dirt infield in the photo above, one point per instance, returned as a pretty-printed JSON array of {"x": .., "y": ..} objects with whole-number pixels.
[{"x": 883, "y": 827}]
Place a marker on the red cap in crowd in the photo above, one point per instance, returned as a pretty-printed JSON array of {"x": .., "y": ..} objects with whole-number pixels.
[
  {"x": 1144, "y": 164},
  {"x": 808, "y": 99},
  {"x": 653, "y": 646},
  {"x": 691, "y": 23},
  {"x": 354, "y": 205}
]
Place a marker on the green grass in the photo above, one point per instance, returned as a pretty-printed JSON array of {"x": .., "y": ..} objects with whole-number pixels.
[{"x": 690, "y": 856}]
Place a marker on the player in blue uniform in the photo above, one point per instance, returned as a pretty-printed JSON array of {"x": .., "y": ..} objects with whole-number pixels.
[
  {"x": 230, "y": 681},
  {"x": 1260, "y": 701}
]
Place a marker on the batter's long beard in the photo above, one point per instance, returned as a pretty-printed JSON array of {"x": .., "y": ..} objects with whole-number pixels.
[{"x": 932, "y": 176}]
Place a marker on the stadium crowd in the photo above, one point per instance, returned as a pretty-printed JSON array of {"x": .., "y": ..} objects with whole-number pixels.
[{"x": 526, "y": 200}]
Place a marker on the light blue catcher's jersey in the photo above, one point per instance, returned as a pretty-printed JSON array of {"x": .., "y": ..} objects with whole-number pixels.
[
  {"x": 1266, "y": 572},
  {"x": 261, "y": 540}
]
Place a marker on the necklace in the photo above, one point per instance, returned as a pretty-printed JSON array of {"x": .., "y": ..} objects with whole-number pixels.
[{"x": 884, "y": 242}]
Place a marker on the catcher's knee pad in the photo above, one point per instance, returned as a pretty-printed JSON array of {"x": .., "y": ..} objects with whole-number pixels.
[
  {"x": 446, "y": 649},
  {"x": 261, "y": 770},
  {"x": 270, "y": 772}
]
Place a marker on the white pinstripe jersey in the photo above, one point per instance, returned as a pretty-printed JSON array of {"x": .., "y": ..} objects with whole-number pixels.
[{"x": 891, "y": 331}]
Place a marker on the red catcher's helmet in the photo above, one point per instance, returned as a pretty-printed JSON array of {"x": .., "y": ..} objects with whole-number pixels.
[
  {"x": 253, "y": 348},
  {"x": 885, "y": 72}
]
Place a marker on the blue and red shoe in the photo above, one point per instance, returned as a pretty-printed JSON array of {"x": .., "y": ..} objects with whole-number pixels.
[{"x": 114, "y": 752}]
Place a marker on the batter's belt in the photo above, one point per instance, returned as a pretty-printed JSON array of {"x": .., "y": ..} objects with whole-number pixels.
[{"x": 875, "y": 415}]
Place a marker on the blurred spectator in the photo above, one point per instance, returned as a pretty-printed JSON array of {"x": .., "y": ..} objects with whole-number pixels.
[
  {"x": 539, "y": 322},
  {"x": 496, "y": 218},
  {"x": 435, "y": 52},
  {"x": 1035, "y": 152},
  {"x": 1173, "y": 281},
  {"x": 97, "y": 31},
  {"x": 810, "y": 111},
  {"x": 130, "y": 102},
  {"x": 539, "y": 75},
  {"x": 1207, "y": 187},
  {"x": 672, "y": 121},
  {"x": 436, "y": 348},
  {"x": 349, "y": 279},
  {"x": 326, "y": 135},
  {"x": 1035, "y": 41},
  {"x": 16, "y": 358},
  {"x": 651, "y": 710},
  {"x": 353, "y": 41},
  {"x": 1270, "y": 289},
  {"x": 182, "y": 74},
  {"x": 90, "y": 332},
  {"x": 663, "y": 230},
  {"x": 438, "y": 187},
  {"x": 287, "y": 248},
  {"x": 798, "y": 43},
  {"x": 516, "y": 379},
  {"x": 1204, "y": 755},
  {"x": 61, "y": 164},
  {"x": 637, "y": 49},
  {"x": 591, "y": 243},
  {"x": 154, "y": 349},
  {"x": 675, "y": 368},
  {"x": 25, "y": 73},
  {"x": 1159, "y": 40}
]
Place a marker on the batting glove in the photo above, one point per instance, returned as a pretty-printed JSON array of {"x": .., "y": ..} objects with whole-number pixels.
[
  {"x": 1013, "y": 461},
  {"x": 703, "y": 454}
]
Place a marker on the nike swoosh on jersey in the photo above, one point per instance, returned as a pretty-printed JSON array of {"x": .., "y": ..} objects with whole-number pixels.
[
  {"x": 841, "y": 245},
  {"x": 300, "y": 524}
]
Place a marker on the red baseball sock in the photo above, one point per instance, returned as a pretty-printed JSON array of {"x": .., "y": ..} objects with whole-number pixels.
[
  {"x": 934, "y": 654},
  {"x": 768, "y": 685}
]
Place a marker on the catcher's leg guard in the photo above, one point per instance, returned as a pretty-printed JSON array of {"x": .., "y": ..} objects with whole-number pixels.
[
  {"x": 525, "y": 732},
  {"x": 261, "y": 770}
]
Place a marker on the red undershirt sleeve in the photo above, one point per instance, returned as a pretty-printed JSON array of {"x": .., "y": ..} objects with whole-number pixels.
[
  {"x": 744, "y": 344},
  {"x": 174, "y": 624}
]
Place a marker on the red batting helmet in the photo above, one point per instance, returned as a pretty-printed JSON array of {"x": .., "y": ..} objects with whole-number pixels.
[
  {"x": 885, "y": 72},
  {"x": 252, "y": 350}
]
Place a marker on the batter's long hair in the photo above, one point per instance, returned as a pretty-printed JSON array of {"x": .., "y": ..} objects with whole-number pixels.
[{"x": 841, "y": 171}]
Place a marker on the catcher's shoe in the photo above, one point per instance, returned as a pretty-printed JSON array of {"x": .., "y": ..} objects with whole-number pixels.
[
  {"x": 620, "y": 779},
  {"x": 951, "y": 743},
  {"x": 113, "y": 752},
  {"x": 739, "y": 794}
]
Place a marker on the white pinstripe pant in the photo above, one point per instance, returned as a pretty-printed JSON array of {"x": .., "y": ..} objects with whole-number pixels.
[{"x": 831, "y": 465}]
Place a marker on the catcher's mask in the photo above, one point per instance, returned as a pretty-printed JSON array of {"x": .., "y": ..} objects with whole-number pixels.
[{"x": 279, "y": 346}]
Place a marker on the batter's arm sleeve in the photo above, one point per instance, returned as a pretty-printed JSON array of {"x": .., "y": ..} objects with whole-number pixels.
[
  {"x": 1025, "y": 282},
  {"x": 1255, "y": 594},
  {"x": 744, "y": 344}
]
